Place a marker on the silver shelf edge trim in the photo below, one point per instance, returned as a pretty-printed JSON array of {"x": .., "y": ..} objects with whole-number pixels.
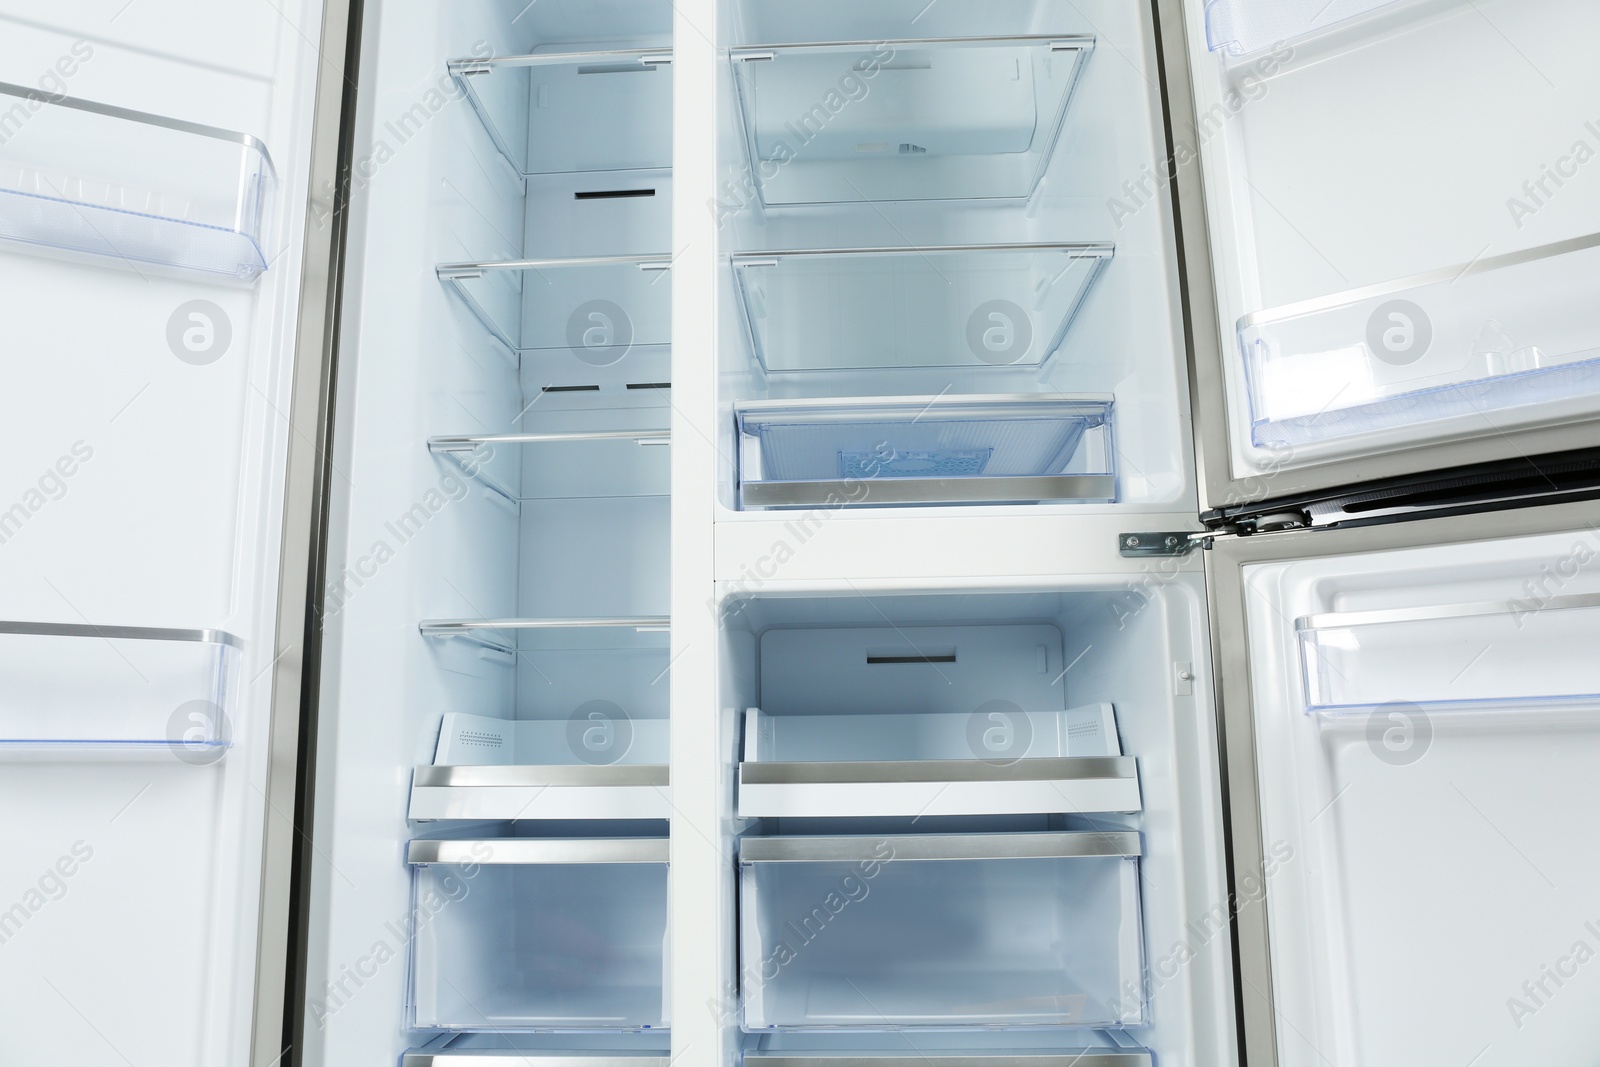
[
  {"x": 129, "y": 114},
  {"x": 528, "y": 850},
  {"x": 931, "y": 490},
  {"x": 120, "y": 633},
  {"x": 468, "y": 442},
  {"x": 1319, "y": 304},
  {"x": 992, "y": 405},
  {"x": 1069, "y": 40},
  {"x": 556, "y": 59},
  {"x": 1066, "y": 845},
  {"x": 450, "y": 627},
  {"x": 1048, "y": 769},
  {"x": 461, "y": 776},
  {"x": 461, "y": 270},
  {"x": 538, "y": 1058},
  {"x": 1340, "y": 619},
  {"x": 1085, "y": 250},
  {"x": 1019, "y": 1058}
]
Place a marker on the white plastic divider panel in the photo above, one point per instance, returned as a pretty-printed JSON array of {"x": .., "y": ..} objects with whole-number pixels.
[
  {"x": 996, "y": 930},
  {"x": 1497, "y": 335},
  {"x": 1241, "y": 26},
  {"x": 98, "y": 180},
  {"x": 603, "y": 109},
  {"x": 1512, "y": 653},
  {"x": 115, "y": 692},
  {"x": 538, "y": 934},
  {"x": 914, "y": 307},
  {"x": 958, "y": 118},
  {"x": 600, "y": 306},
  {"x": 578, "y": 767},
  {"x": 926, "y": 450}
]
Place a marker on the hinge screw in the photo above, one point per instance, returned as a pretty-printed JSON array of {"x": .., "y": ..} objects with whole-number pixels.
[{"x": 1131, "y": 541}]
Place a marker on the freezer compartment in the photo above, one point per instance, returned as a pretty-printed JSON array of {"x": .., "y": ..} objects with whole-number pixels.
[
  {"x": 1510, "y": 339},
  {"x": 81, "y": 691},
  {"x": 896, "y": 308},
  {"x": 596, "y": 307},
  {"x": 941, "y": 930},
  {"x": 605, "y": 108},
  {"x": 102, "y": 181},
  {"x": 1242, "y": 26},
  {"x": 1523, "y": 652},
  {"x": 538, "y": 934},
  {"x": 926, "y": 450},
  {"x": 963, "y": 118}
]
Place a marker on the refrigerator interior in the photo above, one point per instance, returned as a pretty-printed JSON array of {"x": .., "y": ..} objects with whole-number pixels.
[
  {"x": 497, "y": 603},
  {"x": 921, "y": 211},
  {"x": 924, "y": 948},
  {"x": 1424, "y": 722},
  {"x": 1382, "y": 281}
]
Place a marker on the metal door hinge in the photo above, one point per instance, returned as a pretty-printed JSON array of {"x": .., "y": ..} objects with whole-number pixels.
[{"x": 1178, "y": 543}]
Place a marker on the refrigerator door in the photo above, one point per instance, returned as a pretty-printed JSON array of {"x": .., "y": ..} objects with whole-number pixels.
[
  {"x": 1411, "y": 720},
  {"x": 1391, "y": 233}
]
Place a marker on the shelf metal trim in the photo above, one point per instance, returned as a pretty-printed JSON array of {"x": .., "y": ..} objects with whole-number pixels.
[
  {"x": 492, "y": 776},
  {"x": 120, "y": 633},
  {"x": 532, "y": 1058},
  {"x": 1341, "y": 619},
  {"x": 470, "y": 442},
  {"x": 1056, "y": 41},
  {"x": 528, "y": 850},
  {"x": 1064, "y": 845},
  {"x": 475, "y": 269},
  {"x": 1047, "y": 769},
  {"x": 1076, "y": 249},
  {"x": 1020, "y": 489},
  {"x": 645, "y": 56},
  {"x": 1020, "y": 1058}
]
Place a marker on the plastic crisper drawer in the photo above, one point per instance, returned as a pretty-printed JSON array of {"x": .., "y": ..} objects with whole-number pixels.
[
  {"x": 1510, "y": 340},
  {"x": 1538, "y": 652},
  {"x": 926, "y": 450},
  {"x": 512, "y": 934},
  {"x": 97, "y": 180},
  {"x": 965, "y": 118},
  {"x": 948, "y": 930}
]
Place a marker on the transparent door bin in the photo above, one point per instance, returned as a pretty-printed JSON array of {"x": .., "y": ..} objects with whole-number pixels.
[
  {"x": 597, "y": 763},
  {"x": 967, "y": 118},
  {"x": 115, "y": 692},
  {"x": 540, "y": 1050},
  {"x": 1512, "y": 339},
  {"x": 993, "y": 930},
  {"x": 144, "y": 190},
  {"x": 1243, "y": 26},
  {"x": 861, "y": 452},
  {"x": 575, "y": 111},
  {"x": 598, "y": 307},
  {"x": 897, "y": 308},
  {"x": 1537, "y": 653},
  {"x": 530, "y": 934}
]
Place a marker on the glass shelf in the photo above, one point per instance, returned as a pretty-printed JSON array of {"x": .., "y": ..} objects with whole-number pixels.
[
  {"x": 925, "y": 450},
  {"x": 574, "y": 111},
  {"x": 504, "y": 635},
  {"x": 1004, "y": 930},
  {"x": 534, "y": 1050},
  {"x": 1509, "y": 337},
  {"x": 473, "y": 453},
  {"x": 593, "y": 765},
  {"x": 894, "y": 308},
  {"x": 96, "y": 180},
  {"x": 1242, "y": 26},
  {"x": 538, "y": 934},
  {"x": 598, "y": 307},
  {"x": 1506, "y": 654},
  {"x": 958, "y": 118},
  {"x": 904, "y": 1056},
  {"x": 115, "y": 692}
]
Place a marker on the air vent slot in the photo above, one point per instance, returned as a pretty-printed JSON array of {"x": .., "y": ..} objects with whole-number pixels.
[
  {"x": 570, "y": 389},
  {"x": 938, "y": 655},
  {"x": 649, "y": 385},
  {"x": 612, "y": 194}
]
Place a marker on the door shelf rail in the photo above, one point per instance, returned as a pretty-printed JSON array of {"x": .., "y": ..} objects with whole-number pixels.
[
  {"x": 959, "y": 118},
  {"x": 623, "y": 121},
  {"x": 119, "y": 185},
  {"x": 612, "y": 303}
]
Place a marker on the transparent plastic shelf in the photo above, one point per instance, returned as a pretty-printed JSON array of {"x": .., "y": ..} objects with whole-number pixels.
[
  {"x": 1243, "y": 26},
  {"x": 575, "y": 111},
  {"x": 115, "y": 692},
  {"x": 1007, "y": 930},
  {"x": 538, "y": 1050},
  {"x": 508, "y": 635},
  {"x": 895, "y": 308},
  {"x": 1530, "y": 654},
  {"x": 950, "y": 763},
  {"x": 956, "y": 118},
  {"x": 473, "y": 453},
  {"x": 95, "y": 180},
  {"x": 1510, "y": 337},
  {"x": 595, "y": 764},
  {"x": 875, "y": 451},
  {"x": 538, "y": 934},
  {"x": 598, "y": 307},
  {"x": 932, "y": 1057}
]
